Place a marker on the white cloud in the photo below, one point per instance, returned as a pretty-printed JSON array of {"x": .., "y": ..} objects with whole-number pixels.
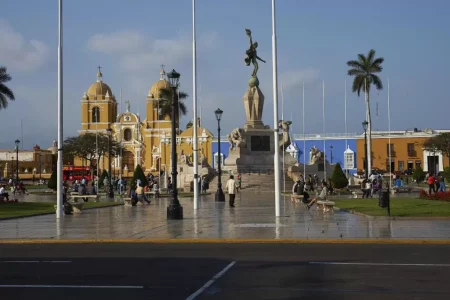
[
  {"x": 18, "y": 53},
  {"x": 295, "y": 78},
  {"x": 137, "y": 52}
]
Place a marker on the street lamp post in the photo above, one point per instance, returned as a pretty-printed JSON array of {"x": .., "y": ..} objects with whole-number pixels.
[
  {"x": 220, "y": 197},
  {"x": 175, "y": 210},
  {"x": 366, "y": 174},
  {"x": 331, "y": 154},
  {"x": 110, "y": 189},
  {"x": 17, "y": 161},
  {"x": 40, "y": 167}
]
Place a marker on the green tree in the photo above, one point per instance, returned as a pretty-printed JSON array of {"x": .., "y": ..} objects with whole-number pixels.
[
  {"x": 447, "y": 174},
  {"x": 52, "y": 182},
  {"x": 102, "y": 178},
  {"x": 165, "y": 104},
  {"x": 5, "y": 92},
  {"x": 418, "y": 174},
  {"x": 439, "y": 143},
  {"x": 139, "y": 174},
  {"x": 364, "y": 71},
  {"x": 338, "y": 177},
  {"x": 85, "y": 146}
]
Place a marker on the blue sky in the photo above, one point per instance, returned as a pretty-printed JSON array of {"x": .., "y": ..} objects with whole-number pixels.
[{"x": 315, "y": 40}]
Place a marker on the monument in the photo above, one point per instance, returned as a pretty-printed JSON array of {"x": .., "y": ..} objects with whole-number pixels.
[{"x": 252, "y": 147}]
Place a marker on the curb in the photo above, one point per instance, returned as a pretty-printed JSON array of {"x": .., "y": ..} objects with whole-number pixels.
[
  {"x": 231, "y": 241},
  {"x": 52, "y": 213}
]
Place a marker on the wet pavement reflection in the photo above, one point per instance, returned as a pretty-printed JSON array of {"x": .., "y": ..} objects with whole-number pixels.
[{"x": 252, "y": 218}]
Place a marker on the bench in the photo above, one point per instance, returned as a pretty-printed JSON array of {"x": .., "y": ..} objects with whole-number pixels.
[
  {"x": 357, "y": 194},
  {"x": 296, "y": 198},
  {"x": 76, "y": 197},
  {"x": 128, "y": 202},
  {"x": 77, "y": 207},
  {"x": 325, "y": 205},
  {"x": 401, "y": 189}
]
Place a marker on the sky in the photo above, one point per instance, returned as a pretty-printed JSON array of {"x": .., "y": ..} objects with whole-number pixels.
[{"x": 131, "y": 39}]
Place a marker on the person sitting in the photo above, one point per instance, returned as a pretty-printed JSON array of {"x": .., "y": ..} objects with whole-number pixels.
[
  {"x": 92, "y": 189},
  {"x": 4, "y": 193},
  {"x": 297, "y": 189},
  {"x": 83, "y": 191},
  {"x": 322, "y": 196},
  {"x": 133, "y": 196}
]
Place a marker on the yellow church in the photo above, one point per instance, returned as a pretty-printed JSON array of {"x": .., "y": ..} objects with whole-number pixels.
[{"x": 145, "y": 142}]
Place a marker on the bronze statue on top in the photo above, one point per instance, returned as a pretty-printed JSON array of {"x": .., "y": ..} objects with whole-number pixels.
[{"x": 251, "y": 54}]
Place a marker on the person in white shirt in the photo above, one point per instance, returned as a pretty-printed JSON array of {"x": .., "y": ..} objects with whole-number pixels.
[
  {"x": 231, "y": 187},
  {"x": 4, "y": 193}
]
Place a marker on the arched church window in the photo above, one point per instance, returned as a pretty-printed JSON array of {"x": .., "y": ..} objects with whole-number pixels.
[
  {"x": 95, "y": 115},
  {"x": 127, "y": 134}
]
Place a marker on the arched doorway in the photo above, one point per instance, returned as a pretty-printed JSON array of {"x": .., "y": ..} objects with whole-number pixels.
[{"x": 128, "y": 160}]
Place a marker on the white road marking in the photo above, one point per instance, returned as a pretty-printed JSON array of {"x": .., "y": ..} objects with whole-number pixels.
[
  {"x": 72, "y": 286},
  {"x": 35, "y": 261},
  {"x": 376, "y": 264},
  {"x": 211, "y": 281}
]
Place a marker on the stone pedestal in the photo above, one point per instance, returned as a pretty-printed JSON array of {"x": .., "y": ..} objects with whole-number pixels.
[{"x": 253, "y": 104}]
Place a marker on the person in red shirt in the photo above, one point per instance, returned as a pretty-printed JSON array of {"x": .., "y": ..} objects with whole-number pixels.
[{"x": 431, "y": 186}]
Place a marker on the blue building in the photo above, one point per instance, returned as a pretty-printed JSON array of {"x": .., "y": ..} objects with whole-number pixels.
[{"x": 335, "y": 146}]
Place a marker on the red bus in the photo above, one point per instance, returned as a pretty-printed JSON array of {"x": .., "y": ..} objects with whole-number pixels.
[{"x": 72, "y": 173}]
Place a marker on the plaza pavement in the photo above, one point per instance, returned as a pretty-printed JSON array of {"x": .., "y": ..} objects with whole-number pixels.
[{"x": 252, "y": 219}]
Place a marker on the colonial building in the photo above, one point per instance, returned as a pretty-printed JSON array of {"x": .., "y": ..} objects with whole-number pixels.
[
  {"x": 406, "y": 151},
  {"x": 37, "y": 163},
  {"x": 146, "y": 142}
]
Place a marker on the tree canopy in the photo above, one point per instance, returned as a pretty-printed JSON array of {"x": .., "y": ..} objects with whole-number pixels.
[
  {"x": 439, "y": 143},
  {"x": 5, "y": 92},
  {"x": 364, "y": 71},
  {"x": 84, "y": 146},
  {"x": 165, "y": 104}
]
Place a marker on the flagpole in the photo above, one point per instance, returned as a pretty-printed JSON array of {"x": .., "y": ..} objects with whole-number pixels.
[
  {"x": 282, "y": 118},
  {"x": 194, "y": 96},
  {"x": 276, "y": 160},
  {"x": 324, "y": 144},
  {"x": 389, "y": 135},
  {"x": 304, "y": 140},
  {"x": 345, "y": 121},
  {"x": 59, "y": 171}
]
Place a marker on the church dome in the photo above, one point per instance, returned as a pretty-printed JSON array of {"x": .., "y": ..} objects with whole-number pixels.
[
  {"x": 156, "y": 88},
  {"x": 99, "y": 88}
]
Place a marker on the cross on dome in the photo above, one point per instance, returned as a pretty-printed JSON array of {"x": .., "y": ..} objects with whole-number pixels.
[
  {"x": 99, "y": 74},
  {"x": 162, "y": 73}
]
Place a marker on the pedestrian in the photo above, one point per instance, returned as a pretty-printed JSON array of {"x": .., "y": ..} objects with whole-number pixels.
[
  {"x": 442, "y": 184},
  {"x": 231, "y": 187},
  {"x": 141, "y": 195},
  {"x": 431, "y": 186}
]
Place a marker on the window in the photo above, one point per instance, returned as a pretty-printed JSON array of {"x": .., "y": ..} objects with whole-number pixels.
[
  {"x": 95, "y": 115},
  {"x": 349, "y": 162},
  {"x": 411, "y": 150},
  {"x": 127, "y": 134},
  {"x": 418, "y": 163},
  {"x": 391, "y": 148},
  {"x": 401, "y": 165}
]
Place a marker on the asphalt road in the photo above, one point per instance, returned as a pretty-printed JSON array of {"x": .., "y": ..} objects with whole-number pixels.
[{"x": 230, "y": 271}]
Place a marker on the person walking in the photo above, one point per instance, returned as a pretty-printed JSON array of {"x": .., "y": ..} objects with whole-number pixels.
[
  {"x": 231, "y": 187},
  {"x": 431, "y": 185}
]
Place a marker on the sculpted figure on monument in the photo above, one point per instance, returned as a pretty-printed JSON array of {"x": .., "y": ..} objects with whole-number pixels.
[
  {"x": 236, "y": 139},
  {"x": 251, "y": 54},
  {"x": 315, "y": 155},
  {"x": 285, "y": 137}
]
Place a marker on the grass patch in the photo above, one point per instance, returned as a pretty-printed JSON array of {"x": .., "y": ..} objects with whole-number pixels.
[
  {"x": 27, "y": 209},
  {"x": 400, "y": 207}
]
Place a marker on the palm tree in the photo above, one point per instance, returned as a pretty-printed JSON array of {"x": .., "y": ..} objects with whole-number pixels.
[
  {"x": 364, "y": 72},
  {"x": 5, "y": 92},
  {"x": 165, "y": 104}
]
